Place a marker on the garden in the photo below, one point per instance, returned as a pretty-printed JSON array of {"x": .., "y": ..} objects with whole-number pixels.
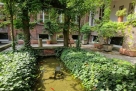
[
  {"x": 20, "y": 70},
  {"x": 71, "y": 68}
]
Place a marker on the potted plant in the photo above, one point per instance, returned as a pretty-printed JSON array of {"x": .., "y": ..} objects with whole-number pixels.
[
  {"x": 48, "y": 41},
  {"x": 97, "y": 44},
  {"x": 85, "y": 38},
  {"x": 20, "y": 38},
  {"x": 107, "y": 30},
  {"x": 120, "y": 14},
  {"x": 85, "y": 30},
  {"x": 52, "y": 28}
]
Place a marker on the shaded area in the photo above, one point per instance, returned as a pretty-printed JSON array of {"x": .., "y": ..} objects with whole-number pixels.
[{"x": 46, "y": 81}]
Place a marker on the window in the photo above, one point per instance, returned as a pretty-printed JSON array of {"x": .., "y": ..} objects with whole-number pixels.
[
  {"x": 60, "y": 37},
  {"x": 131, "y": 8},
  {"x": 95, "y": 39},
  {"x": 75, "y": 37},
  {"x": 44, "y": 36},
  {"x": 117, "y": 40},
  {"x": 101, "y": 13},
  {"x": 121, "y": 7},
  {"x": 3, "y": 35}
]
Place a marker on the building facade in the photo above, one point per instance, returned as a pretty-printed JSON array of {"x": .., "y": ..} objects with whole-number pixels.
[{"x": 115, "y": 5}]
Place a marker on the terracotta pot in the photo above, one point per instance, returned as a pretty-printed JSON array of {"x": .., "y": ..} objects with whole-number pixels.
[
  {"x": 126, "y": 52},
  {"x": 122, "y": 51},
  {"x": 132, "y": 53},
  {"x": 120, "y": 18},
  {"x": 48, "y": 42},
  {"x": 98, "y": 45}
]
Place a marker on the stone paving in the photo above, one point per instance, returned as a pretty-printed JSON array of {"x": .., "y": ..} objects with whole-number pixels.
[
  {"x": 113, "y": 54},
  {"x": 89, "y": 47}
]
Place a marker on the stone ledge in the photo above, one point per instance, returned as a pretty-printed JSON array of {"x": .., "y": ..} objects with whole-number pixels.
[{"x": 5, "y": 47}]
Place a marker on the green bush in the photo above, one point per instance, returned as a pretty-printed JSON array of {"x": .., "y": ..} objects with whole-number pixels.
[
  {"x": 98, "y": 73},
  {"x": 85, "y": 28},
  {"x": 17, "y": 71}
]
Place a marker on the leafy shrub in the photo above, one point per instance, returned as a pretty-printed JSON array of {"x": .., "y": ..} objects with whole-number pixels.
[
  {"x": 98, "y": 73},
  {"x": 58, "y": 51},
  {"x": 52, "y": 27},
  {"x": 17, "y": 71},
  {"x": 85, "y": 28},
  {"x": 108, "y": 29},
  {"x": 121, "y": 12}
]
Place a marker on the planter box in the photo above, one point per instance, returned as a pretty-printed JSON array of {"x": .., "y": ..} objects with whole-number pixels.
[
  {"x": 98, "y": 45},
  {"x": 132, "y": 53},
  {"x": 48, "y": 42},
  {"x": 54, "y": 42},
  {"x": 84, "y": 42},
  {"x": 107, "y": 47},
  {"x": 34, "y": 41},
  {"x": 127, "y": 52},
  {"x": 20, "y": 42}
]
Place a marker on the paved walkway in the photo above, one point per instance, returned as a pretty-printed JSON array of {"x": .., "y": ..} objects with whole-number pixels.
[{"x": 113, "y": 54}]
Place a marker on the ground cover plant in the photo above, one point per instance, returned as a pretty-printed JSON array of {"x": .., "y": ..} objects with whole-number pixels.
[
  {"x": 17, "y": 71},
  {"x": 98, "y": 73}
]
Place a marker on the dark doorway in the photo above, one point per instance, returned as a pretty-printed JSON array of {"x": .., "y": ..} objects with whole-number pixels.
[
  {"x": 117, "y": 40},
  {"x": 4, "y": 36},
  {"x": 75, "y": 37},
  {"x": 44, "y": 36},
  {"x": 95, "y": 39}
]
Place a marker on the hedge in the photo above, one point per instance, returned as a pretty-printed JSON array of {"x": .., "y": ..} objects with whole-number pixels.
[
  {"x": 17, "y": 71},
  {"x": 98, "y": 73}
]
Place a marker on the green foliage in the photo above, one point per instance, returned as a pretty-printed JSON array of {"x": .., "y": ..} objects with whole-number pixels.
[
  {"x": 107, "y": 10},
  {"x": 121, "y": 12},
  {"x": 122, "y": 26},
  {"x": 32, "y": 25},
  {"x": 18, "y": 24},
  {"x": 20, "y": 35},
  {"x": 51, "y": 27},
  {"x": 131, "y": 18},
  {"x": 58, "y": 51},
  {"x": 17, "y": 71},
  {"x": 108, "y": 29},
  {"x": 98, "y": 73},
  {"x": 85, "y": 36},
  {"x": 4, "y": 24},
  {"x": 85, "y": 28}
]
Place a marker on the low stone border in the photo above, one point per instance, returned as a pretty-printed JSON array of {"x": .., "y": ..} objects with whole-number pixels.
[{"x": 5, "y": 47}]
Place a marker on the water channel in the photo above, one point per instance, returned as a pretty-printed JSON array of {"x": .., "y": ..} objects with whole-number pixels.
[{"x": 62, "y": 82}]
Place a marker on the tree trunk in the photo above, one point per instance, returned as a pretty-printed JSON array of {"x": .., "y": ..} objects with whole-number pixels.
[
  {"x": 66, "y": 30},
  {"x": 25, "y": 21},
  {"x": 79, "y": 27},
  {"x": 12, "y": 27}
]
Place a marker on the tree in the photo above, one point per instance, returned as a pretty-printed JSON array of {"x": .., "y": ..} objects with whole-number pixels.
[
  {"x": 84, "y": 7},
  {"x": 25, "y": 7},
  {"x": 76, "y": 8},
  {"x": 9, "y": 6}
]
